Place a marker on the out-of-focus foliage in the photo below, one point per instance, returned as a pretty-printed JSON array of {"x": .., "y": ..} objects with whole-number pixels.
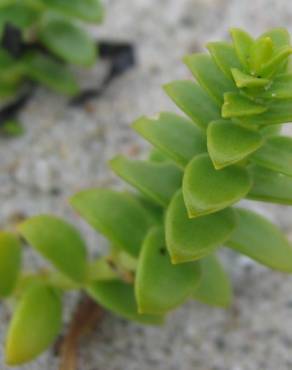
[{"x": 51, "y": 36}]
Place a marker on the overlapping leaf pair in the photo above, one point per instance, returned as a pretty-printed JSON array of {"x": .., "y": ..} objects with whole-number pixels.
[
  {"x": 52, "y": 26},
  {"x": 164, "y": 234}
]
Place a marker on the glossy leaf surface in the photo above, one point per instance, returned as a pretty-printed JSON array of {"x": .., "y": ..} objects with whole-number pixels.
[
  {"x": 209, "y": 76},
  {"x": 214, "y": 288},
  {"x": 59, "y": 242},
  {"x": 229, "y": 143},
  {"x": 119, "y": 298},
  {"x": 35, "y": 324},
  {"x": 190, "y": 239},
  {"x": 270, "y": 186},
  {"x": 175, "y": 136},
  {"x": 236, "y": 105},
  {"x": 157, "y": 181},
  {"x": 275, "y": 154},
  {"x": 225, "y": 56},
  {"x": 118, "y": 216},
  {"x": 159, "y": 285},
  {"x": 259, "y": 239},
  {"x": 193, "y": 101},
  {"x": 242, "y": 43},
  {"x": 207, "y": 190}
]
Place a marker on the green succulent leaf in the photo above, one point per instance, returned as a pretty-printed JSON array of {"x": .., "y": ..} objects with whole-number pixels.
[
  {"x": 214, "y": 288},
  {"x": 87, "y": 10},
  {"x": 280, "y": 37},
  {"x": 275, "y": 154},
  {"x": 175, "y": 136},
  {"x": 260, "y": 53},
  {"x": 278, "y": 112},
  {"x": 10, "y": 260},
  {"x": 69, "y": 42},
  {"x": 237, "y": 105},
  {"x": 59, "y": 242},
  {"x": 157, "y": 181},
  {"x": 275, "y": 63},
  {"x": 50, "y": 73},
  {"x": 118, "y": 216},
  {"x": 159, "y": 285},
  {"x": 242, "y": 43},
  {"x": 190, "y": 239},
  {"x": 193, "y": 101},
  {"x": 224, "y": 56},
  {"x": 229, "y": 143},
  {"x": 262, "y": 241},
  {"x": 207, "y": 190},
  {"x": 209, "y": 76},
  {"x": 280, "y": 88},
  {"x": 119, "y": 297},
  {"x": 35, "y": 324},
  {"x": 243, "y": 79},
  {"x": 270, "y": 186}
]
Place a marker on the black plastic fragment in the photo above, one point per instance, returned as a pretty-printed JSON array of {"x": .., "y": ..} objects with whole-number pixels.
[
  {"x": 121, "y": 57},
  {"x": 12, "y": 40}
]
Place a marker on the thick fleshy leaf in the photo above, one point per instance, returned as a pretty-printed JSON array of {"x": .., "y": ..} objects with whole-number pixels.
[
  {"x": 161, "y": 286},
  {"x": 59, "y": 242},
  {"x": 214, "y": 288},
  {"x": 156, "y": 156},
  {"x": 280, "y": 37},
  {"x": 225, "y": 56},
  {"x": 50, "y": 73},
  {"x": 275, "y": 154},
  {"x": 209, "y": 76},
  {"x": 190, "y": 239},
  {"x": 88, "y": 10},
  {"x": 280, "y": 88},
  {"x": 260, "y": 53},
  {"x": 119, "y": 298},
  {"x": 275, "y": 63},
  {"x": 279, "y": 111},
  {"x": 246, "y": 80},
  {"x": 118, "y": 216},
  {"x": 270, "y": 186},
  {"x": 261, "y": 240},
  {"x": 193, "y": 101},
  {"x": 237, "y": 105},
  {"x": 242, "y": 43},
  {"x": 35, "y": 324},
  {"x": 10, "y": 259},
  {"x": 175, "y": 136},
  {"x": 157, "y": 181},
  {"x": 207, "y": 190},
  {"x": 69, "y": 42},
  {"x": 229, "y": 143}
]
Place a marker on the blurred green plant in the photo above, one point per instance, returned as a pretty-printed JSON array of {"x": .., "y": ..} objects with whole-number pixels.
[
  {"x": 164, "y": 235},
  {"x": 51, "y": 37}
]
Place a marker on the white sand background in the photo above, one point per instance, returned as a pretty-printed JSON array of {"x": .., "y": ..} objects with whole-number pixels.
[{"x": 66, "y": 149}]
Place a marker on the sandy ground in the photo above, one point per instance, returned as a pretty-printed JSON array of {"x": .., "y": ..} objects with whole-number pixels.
[{"x": 65, "y": 149}]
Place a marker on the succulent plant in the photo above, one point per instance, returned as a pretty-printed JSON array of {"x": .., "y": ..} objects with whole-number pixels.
[
  {"x": 164, "y": 235},
  {"x": 50, "y": 37}
]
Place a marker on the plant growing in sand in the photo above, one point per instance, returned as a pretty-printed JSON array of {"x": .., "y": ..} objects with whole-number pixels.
[{"x": 164, "y": 234}]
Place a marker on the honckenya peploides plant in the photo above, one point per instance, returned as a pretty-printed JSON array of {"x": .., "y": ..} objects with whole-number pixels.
[{"x": 164, "y": 234}]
